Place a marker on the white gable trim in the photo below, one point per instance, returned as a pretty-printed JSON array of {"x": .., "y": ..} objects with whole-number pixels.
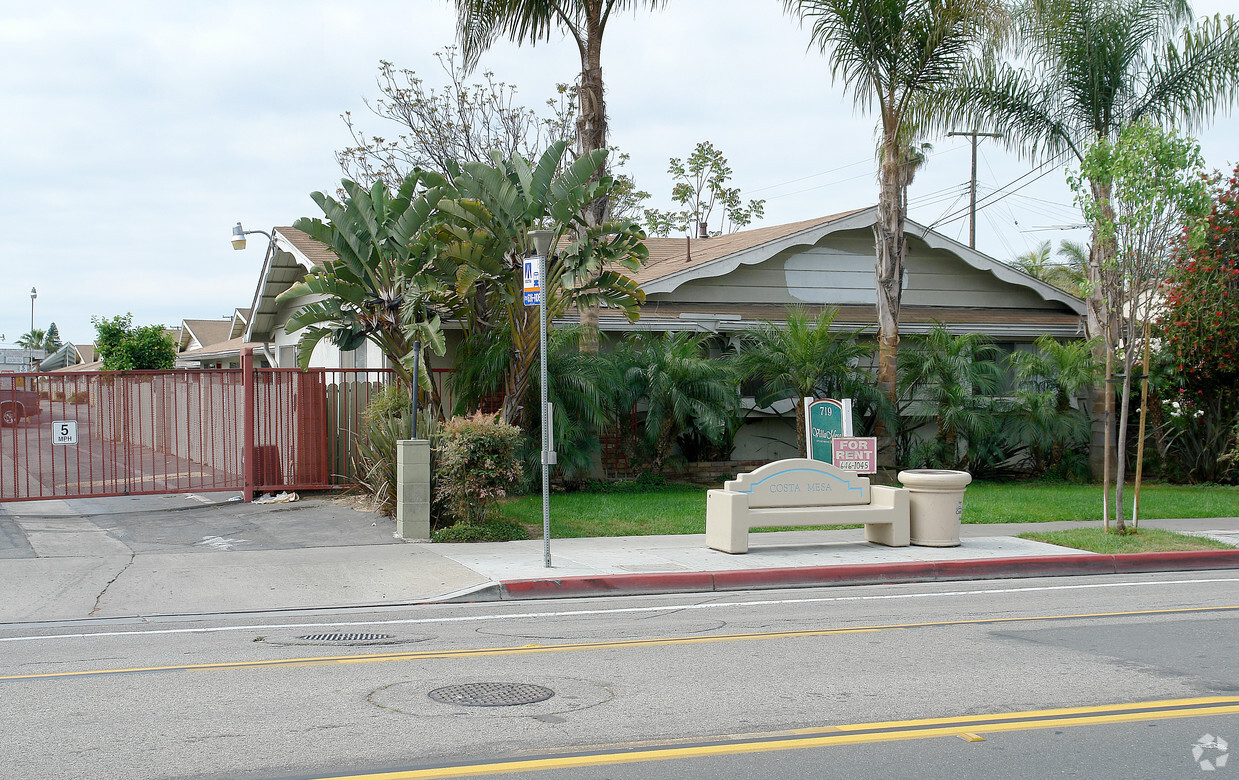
[
  {"x": 866, "y": 218},
  {"x": 281, "y": 253},
  {"x": 1000, "y": 270}
]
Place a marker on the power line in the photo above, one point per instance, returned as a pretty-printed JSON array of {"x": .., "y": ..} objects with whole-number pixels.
[
  {"x": 972, "y": 182},
  {"x": 1050, "y": 166}
]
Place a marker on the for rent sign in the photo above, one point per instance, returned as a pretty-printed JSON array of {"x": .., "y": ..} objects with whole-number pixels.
[{"x": 858, "y": 454}]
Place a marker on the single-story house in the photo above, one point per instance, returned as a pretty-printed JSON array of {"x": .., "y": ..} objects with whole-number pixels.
[
  {"x": 217, "y": 343},
  {"x": 70, "y": 357},
  {"x": 728, "y": 283}
]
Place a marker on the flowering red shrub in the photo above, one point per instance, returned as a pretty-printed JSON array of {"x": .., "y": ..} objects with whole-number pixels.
[{"x": 1200, "y": 325}]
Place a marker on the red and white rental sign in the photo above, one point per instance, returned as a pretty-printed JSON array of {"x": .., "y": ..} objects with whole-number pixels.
[{"x": 855, "y": 453}]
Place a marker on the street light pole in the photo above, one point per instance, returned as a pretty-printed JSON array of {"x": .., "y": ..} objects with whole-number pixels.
[{"x": 33, "y": 294}]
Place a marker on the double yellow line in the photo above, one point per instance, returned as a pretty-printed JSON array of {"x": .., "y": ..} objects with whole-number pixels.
[{"x": 969, "y": 728}]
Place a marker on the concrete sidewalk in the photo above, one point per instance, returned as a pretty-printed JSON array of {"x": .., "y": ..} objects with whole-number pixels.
[{"x": 176, "y": 555}]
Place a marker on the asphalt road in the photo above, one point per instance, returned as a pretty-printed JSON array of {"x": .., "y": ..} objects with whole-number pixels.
[{"x": 1062, "y": 677}]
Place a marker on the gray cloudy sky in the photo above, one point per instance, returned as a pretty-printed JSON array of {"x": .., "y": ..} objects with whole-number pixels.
[{"x": 137, "y": 133}]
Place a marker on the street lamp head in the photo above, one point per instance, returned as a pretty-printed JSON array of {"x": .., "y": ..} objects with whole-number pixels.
[
  {"x": 33, "y": 293},
  {"x": 541, "y": 241},
  {"x": 238, "y": 237}
]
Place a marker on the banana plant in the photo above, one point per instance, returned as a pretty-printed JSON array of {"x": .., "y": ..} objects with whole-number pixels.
[{"x": 379, "y": 287}]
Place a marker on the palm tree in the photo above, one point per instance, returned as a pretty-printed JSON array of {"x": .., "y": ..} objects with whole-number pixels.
[
  {"x": 1070, "y": 274},
  {"x": 480, "y": 22},
  {"x": 680, "y": 387},
  {"x": 35, "y": 338},
  {"x": 1084, "y": 70},
  {"x": 1046, "y": 382},
  {"x": 954, "y": 378},
  {"x": 1035, "y": 262},
  {"x": 895, "y": 56},
  {"x": 802, "y": 358},
  {"x": 484, "y": 237}
]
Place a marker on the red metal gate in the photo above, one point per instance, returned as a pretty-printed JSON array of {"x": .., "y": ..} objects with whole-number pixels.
[{"x": 103, "y": 433}]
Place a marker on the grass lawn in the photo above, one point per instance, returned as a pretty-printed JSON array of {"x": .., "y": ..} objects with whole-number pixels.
[
  {"x": 1145, "y": 540},
  {"x": 681, "y": 509},
  {"x": 1034, "y": 502}
]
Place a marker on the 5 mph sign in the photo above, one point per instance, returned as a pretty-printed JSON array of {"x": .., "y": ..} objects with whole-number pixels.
[{"x": 64, "y": 432}]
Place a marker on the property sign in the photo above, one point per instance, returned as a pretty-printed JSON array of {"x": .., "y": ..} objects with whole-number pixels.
[
  {"x": 64, "y": 432},
  {"x": 825, "y": 419},
  {"x": 858, "y": 454},
  {"x": 533, "y": 281}
]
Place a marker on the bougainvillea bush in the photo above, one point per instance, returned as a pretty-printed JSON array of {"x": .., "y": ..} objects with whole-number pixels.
[{"x": 1200, "y": 324}]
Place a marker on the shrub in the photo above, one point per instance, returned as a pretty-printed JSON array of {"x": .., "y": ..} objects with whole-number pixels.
[
  {"x": 488, "y": 531},
  {"x": 479, "y": 462},
  {"x": 386, "y": 421}
]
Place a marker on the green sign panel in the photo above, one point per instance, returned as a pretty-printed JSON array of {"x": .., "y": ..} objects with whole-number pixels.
[{"x": 826, "y": 419}]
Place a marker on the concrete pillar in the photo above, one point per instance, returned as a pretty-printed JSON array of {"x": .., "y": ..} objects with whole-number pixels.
[{"x": 413, "y": 489}]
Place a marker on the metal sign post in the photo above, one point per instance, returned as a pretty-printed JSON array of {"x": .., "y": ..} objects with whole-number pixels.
[{"x": 536, "y": 294}]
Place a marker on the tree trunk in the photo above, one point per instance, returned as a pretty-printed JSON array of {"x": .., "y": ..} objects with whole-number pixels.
[
  {"x": 591, "y": 133},
  {"x": 802, "y": 426},
  {"x": 1120, "y": 453},
  {"x": 1097, "y": 315},
  {"x": 891, "y": 244},
  {"x": 662, "y": 446}
]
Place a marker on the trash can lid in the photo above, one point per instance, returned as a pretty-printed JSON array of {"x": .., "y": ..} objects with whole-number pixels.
[{"x": 935, "y": 478}]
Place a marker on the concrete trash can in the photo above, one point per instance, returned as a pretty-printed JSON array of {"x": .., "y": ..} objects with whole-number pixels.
[{"x": 936, "y": 497}]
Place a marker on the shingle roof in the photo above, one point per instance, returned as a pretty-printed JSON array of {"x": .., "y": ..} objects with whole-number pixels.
[
  {"x": 207, "y": 332},
  {"x": 670, "y": 255},
  {"x": 315, "y": 252},
  {"x": 229, "y": 348}
]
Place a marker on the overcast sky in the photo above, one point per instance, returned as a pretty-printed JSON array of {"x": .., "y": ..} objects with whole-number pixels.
[{"x": 137, "y": 133}]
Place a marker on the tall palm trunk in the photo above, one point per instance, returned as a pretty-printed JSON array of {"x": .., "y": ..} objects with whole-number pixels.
[
  {"x": 526, "y": 330},
  {"x": 891, "y": 245},
  {"x": 591, "y": 131}
]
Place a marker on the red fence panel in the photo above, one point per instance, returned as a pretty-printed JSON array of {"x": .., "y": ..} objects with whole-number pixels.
[
  {"x": 147, "y": 432},
  {"x": 112, "y": 433}
]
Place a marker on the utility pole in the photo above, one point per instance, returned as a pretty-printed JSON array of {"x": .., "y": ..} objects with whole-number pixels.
[{"x": 972, "y": 184}]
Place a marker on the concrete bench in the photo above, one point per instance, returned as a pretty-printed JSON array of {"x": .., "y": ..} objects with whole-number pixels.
[{"x": 799, "y": 491}]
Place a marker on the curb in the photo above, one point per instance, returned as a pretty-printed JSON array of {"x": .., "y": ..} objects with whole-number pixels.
[{"x": 859, "y": 574}]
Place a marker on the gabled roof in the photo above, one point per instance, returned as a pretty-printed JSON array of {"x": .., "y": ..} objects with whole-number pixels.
[
  {"x": 289, "y": 256},
  {"x": 205, "y": 332},
  {"x": 240, "y": 319},
  {"x": 674, "y": 261},
  {"x": 67, "y": 356}
]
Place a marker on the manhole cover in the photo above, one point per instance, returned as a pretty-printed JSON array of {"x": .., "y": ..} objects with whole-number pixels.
[
  {"x": 344, "y": 637},
  {"x": 490, "y": 694}
]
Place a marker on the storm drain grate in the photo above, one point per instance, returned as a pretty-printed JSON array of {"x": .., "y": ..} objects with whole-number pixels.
[
  {"x": 344, "y": 637},
  {"x": 491, "y": 694}
]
